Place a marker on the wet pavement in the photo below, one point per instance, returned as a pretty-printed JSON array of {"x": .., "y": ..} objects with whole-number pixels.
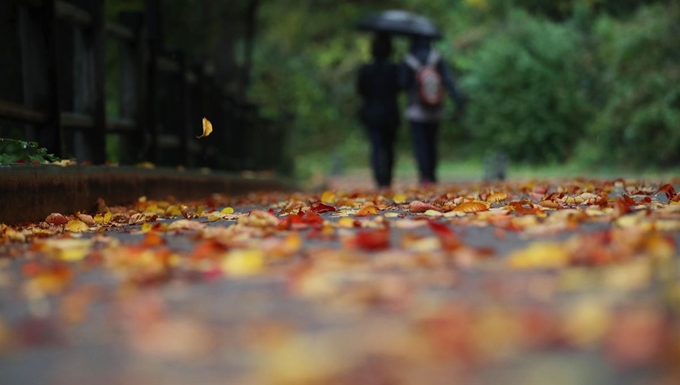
[{"x": 316, "y": 303}]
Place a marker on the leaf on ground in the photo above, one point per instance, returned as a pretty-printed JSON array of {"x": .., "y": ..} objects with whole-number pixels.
[
  {"x": 76, "y": 226},
  {"x": 56, "y": 219}
]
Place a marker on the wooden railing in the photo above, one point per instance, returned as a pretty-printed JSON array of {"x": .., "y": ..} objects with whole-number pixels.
[{"x": 155, "y": 105}]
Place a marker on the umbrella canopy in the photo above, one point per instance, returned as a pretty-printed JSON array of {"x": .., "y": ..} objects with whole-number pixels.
[{"x": 400, "y": 23}]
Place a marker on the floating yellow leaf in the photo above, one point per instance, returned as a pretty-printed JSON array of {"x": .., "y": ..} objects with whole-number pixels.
[
  {"x": 214, "y": 217},
  {"x": 433, "y": 213},
  {"x": 207, "y": 129},
  {"x": 76, "y": 226},
  {"x": 146, "y": 227},
  {"x": 242, "y": 262},
  {"x": 227, "y": 210},
  {"x": 399, "y": 198}
]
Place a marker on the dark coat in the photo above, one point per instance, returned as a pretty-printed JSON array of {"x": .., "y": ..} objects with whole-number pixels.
[{"x": 378, "y": 85}]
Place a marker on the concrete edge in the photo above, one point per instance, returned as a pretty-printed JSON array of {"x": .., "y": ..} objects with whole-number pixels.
[{"x": 28, "y": 193}]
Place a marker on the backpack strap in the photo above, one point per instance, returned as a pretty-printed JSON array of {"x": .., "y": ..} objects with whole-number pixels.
[
  {"x": 433, "y": 58},
  {"x": 413, "y": 62}
]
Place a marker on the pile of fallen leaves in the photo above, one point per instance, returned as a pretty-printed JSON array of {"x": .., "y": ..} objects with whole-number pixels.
[{"x": 422, "y": 285}]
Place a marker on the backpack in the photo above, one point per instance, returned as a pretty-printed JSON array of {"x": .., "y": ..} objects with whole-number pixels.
[{"x": 428, "y": 79}]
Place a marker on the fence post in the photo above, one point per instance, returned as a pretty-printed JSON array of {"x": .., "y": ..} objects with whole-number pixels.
[
  {"x": 182, "y": 113},
  {"x": 154, "y": 42},
  {"x": 132, "y": 92},
  {"x": 51, "y": 134},
  {"x": 94, "y": 55}
]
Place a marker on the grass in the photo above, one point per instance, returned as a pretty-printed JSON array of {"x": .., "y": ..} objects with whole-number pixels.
[{"x": 318, "y": 166}]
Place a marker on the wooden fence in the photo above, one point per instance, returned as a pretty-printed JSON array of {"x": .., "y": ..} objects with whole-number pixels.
[{"x": 150, "y": 107}]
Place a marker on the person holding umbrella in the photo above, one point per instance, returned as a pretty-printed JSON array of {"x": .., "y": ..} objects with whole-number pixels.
[
  {"x": 424, "y": 75},
  {"x": 378, "y": 86}
]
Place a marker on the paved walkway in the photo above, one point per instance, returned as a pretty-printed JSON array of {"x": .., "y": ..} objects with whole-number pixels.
[{"x": 563, "y": 283}]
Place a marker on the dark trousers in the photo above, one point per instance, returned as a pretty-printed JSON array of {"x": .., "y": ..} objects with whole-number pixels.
[
  {"x": 425, "y": 148},
  {"x": 382, "y": 153}
]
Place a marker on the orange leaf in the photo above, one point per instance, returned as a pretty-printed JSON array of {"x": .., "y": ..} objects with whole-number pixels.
[
  {"x": 497, "y": 197},
  {"x": 420, "y": 207},
  {"x": 471, "y": 207},
  {"x": 207, "y": 129},
  {"x": 153, "y": 239},
  {"x": 367, "y": 211}
]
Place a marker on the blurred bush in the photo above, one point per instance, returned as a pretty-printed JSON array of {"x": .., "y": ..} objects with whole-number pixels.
[
  {"x": 525, "y": 90},
  {"x": 639, "y": 123}
]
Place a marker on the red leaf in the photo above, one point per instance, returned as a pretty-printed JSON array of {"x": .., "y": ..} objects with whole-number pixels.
[
  {"x": 312, "y": 218},
  {"x": 668, "y": 190},
  {"x": 373, "y": 240},
  {"x": 621, "y": 206},
  {"x": 322, "y": 208},
  {"x": 440, "y": 228}
]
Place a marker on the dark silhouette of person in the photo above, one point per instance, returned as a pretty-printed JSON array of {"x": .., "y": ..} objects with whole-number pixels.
[
  {"x": 424, "y": 118},
  {"x": 378, "y": 86}
]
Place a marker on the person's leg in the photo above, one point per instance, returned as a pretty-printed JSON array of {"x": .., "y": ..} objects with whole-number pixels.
[
  {"x": 390, "y": 136},
  {"x": 378, "y": 157},
  {"x": 424, "y": 146},
  {"x": 431, "y": 130},
  {"x": 419, "y": 147}
]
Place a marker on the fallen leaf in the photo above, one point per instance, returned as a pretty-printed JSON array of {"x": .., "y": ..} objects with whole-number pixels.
[
  {"x": 373, "y": 240},
  {"x": 420, "y": 207},
  {"x": 56, "y": 219},
  {"x": 472, "y": 207},
  {"x": 76, "y": 226}
]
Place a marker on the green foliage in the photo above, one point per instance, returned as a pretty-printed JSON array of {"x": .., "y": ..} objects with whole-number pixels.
[
  {"x": 525, "y": 90},
  {"x": 639, "y": 124},
  {"x": 19, "y": 151}
]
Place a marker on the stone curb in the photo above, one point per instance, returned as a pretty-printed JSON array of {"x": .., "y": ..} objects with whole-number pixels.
[{"x": 29, "y": 193}]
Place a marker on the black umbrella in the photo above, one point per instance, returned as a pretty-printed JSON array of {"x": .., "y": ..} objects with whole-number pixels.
[{"x": 400, "y": 23}]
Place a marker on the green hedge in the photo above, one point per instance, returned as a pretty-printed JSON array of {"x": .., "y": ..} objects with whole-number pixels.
[
  {"x": 639, "y": 123},
  {"x": 526, "y": 90}
]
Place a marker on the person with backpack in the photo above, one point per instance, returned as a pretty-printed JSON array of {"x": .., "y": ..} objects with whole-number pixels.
[
  {"x": 424, "y": 75},
  {"x": 378, "y": 86}
]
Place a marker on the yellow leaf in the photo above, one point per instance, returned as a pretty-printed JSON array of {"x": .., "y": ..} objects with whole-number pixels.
[
  {"x": 399, "y": 198},
  {"x": 346, "y": 222},
  {"x": 433, "y": 213},
  {"x": 76, "y": 226},
  {"x": 540, "y": 255},
  {"x": 213, "y": 217},
  {"x": 67, "y": 249},
  {"x": 207, "y": 129},
  {"x": 227, "y": 210},
  {"x": 173, "y": 211},
  {"x": 146, "y": 227},
  {"x": 241, "y": 262},
  {"x": 328, "y": 197}
]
